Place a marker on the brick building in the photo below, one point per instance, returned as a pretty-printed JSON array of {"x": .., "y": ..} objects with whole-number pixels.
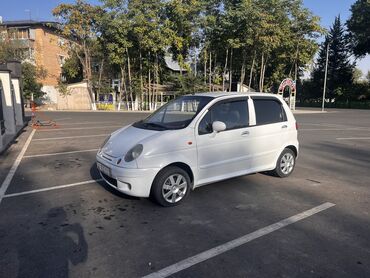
[{"x": 39, "y": 43}]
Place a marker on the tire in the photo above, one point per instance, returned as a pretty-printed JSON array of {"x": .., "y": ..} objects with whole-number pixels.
[
  {"x": 285, "y": 164},
  {"x": 171, "y": 186}
]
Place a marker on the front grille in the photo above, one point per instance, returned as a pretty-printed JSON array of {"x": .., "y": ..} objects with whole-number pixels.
[{"x": 112, "y": 181}]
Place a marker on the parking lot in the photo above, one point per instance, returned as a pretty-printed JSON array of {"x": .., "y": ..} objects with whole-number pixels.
[{"x": 58, "y": 219}]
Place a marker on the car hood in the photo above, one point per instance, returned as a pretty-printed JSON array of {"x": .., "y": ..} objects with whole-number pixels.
[{"x": 124, "y": 139}]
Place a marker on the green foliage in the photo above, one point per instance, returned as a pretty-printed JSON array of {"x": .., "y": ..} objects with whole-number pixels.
[
  {"x": 357, "y": 75},
  {"x": 187, "y": 84},
  {"x": 30, "y": 74},
  {"x": 340, "y": 66},
  {"x": 358, "y": 26},
  {"x": 80, "y": 22},
  {"x": 72, "y": 69},
  {"x": 259, "y": 40}
]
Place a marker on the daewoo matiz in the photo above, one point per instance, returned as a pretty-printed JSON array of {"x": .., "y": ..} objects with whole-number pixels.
[{"x": 199, "y": 139}]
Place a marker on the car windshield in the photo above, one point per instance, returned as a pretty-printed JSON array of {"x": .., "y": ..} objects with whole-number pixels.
[{"x": 175, "y": 114}]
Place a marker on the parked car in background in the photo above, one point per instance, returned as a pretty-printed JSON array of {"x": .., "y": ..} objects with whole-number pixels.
[{"x": 200, "y": 139}]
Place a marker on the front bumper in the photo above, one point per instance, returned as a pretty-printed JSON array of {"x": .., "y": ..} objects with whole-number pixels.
[{"x": 133, "y": 182}]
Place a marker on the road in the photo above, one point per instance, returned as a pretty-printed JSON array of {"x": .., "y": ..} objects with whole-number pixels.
[{"x": 57, "y": 219}]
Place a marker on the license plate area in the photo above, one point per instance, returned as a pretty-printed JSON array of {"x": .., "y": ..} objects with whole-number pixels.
[{"x": 104, "y": 169}]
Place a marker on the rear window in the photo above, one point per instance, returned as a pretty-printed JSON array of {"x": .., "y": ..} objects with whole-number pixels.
[{"x": 268, "y": 111}]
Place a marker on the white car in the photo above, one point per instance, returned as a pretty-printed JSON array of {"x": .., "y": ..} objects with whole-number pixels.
[{"x": 200, "y": 139}]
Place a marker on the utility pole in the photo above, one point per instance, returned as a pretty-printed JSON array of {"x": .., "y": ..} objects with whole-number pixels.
[{"x": 326, "y": 75}]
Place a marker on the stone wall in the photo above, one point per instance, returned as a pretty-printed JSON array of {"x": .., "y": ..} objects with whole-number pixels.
[{"x": 77, "y": 99}]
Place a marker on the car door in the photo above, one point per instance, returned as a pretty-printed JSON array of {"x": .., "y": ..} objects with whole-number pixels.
[
  {"x": 224, "y": 154},
  {"x": 269, "y": 133}
]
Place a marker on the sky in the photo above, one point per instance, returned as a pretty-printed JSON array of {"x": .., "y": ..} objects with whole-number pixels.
[{"x": 327, "y": 10}]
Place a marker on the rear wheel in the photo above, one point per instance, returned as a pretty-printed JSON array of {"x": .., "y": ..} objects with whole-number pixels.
[
  {"x": 285, "y": 163},
  {"x": 171, "y": 186}
]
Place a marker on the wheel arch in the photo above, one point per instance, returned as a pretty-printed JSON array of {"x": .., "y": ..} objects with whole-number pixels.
[
  {"x": 182, "y": 166},
  {"x": 293, "y": 149}
]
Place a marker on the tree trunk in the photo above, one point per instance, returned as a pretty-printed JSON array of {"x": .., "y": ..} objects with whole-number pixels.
[
  {"x": 130, "y": 79},
  {"x": 141, "y": 82},
  {"x": 123, "y": 87},
  {"x": 210, "y": 71},
  {"x": 263, "y": 75},
  {"x": 231, "y": 70},
  {"x": 261, "y": 72},
  {"x": 100, "y": 75},
  {"x": 251, "y": 72},
  {"x": 225, "y": 68},
  {"x": 205, "y": 67},
  {"x": 149, "y": 105},
  {"x": 90, "y": 87},
  {"x": 242, "y": 72},
  {"x": 156, "y": 80}
]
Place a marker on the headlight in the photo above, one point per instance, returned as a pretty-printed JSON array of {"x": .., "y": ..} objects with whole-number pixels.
[
  {"x": 134, "y": 153},
  {"x": 105, "y": 141}
]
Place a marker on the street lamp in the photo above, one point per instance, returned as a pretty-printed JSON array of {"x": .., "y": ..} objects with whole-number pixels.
[{"x": 326, "y": 75}]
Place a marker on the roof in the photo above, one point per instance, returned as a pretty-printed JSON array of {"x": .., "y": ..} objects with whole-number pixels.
[
  {"x": 224, "y": 94},
  {"x": 172, "y": 64},
  {"x": 27, "y": 23}
]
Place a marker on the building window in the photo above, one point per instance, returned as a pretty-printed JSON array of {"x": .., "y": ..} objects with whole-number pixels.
[
  {"x": 61, "y": 60},
  {"x": 18, "y": 34},
  {"x": 31, "y": 53}
]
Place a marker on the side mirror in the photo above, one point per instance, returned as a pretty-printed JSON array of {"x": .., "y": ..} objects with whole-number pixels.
[{"x": 218, "y": 126}]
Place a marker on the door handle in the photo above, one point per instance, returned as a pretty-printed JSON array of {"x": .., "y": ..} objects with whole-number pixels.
[
  {"x": 284, "y": 126},
  {"x": 245, "y": 133}
]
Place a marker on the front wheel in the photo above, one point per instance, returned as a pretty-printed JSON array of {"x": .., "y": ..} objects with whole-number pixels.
[
  {"x": 170, "y": 186},
  {"x": 285, "y": 163}
]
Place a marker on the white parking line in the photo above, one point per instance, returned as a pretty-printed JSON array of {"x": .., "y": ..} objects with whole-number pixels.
[
  {"x": 70, "y": 137},
  {"x": 184, "y": 264},
  {"x": 51, "y": 188},
  {"x": 61, "y": 119},
  {"x": 323, "y": 124},
  {"x": 88, "y": 123},
  {"x": 60, "y": 153},
  {"x": 335, "y": 125},
  {"x": 354, "y": 138},
  {"x": 79, "y": 128},
  {"x": 9, "y": 177},
  {"x": 335, "y": 129},
  {"x": 321, "y": 129}
]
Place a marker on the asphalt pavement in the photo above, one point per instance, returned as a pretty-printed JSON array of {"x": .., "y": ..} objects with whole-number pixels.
[{"x": 58, "y": 219}]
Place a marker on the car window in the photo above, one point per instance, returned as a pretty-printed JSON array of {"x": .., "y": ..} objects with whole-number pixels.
[
  {"x": 233, "y": 113},
  {"x": 205, "y": 125},
  {"x": 268, "y": 111},
  {"x": 176, "y": 114}
]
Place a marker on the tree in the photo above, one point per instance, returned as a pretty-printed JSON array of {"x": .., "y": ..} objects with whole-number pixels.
[
  {"x": 72, "y": 69},
  {"x": 357, "y": 75},
  {"x": 80, "y": 22},
  {"x": 358, "y": 27},
  {"x": 182, "y": 18},
  {"x": 31, "y": 87},
  {"x": 340, "y": 66}
]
